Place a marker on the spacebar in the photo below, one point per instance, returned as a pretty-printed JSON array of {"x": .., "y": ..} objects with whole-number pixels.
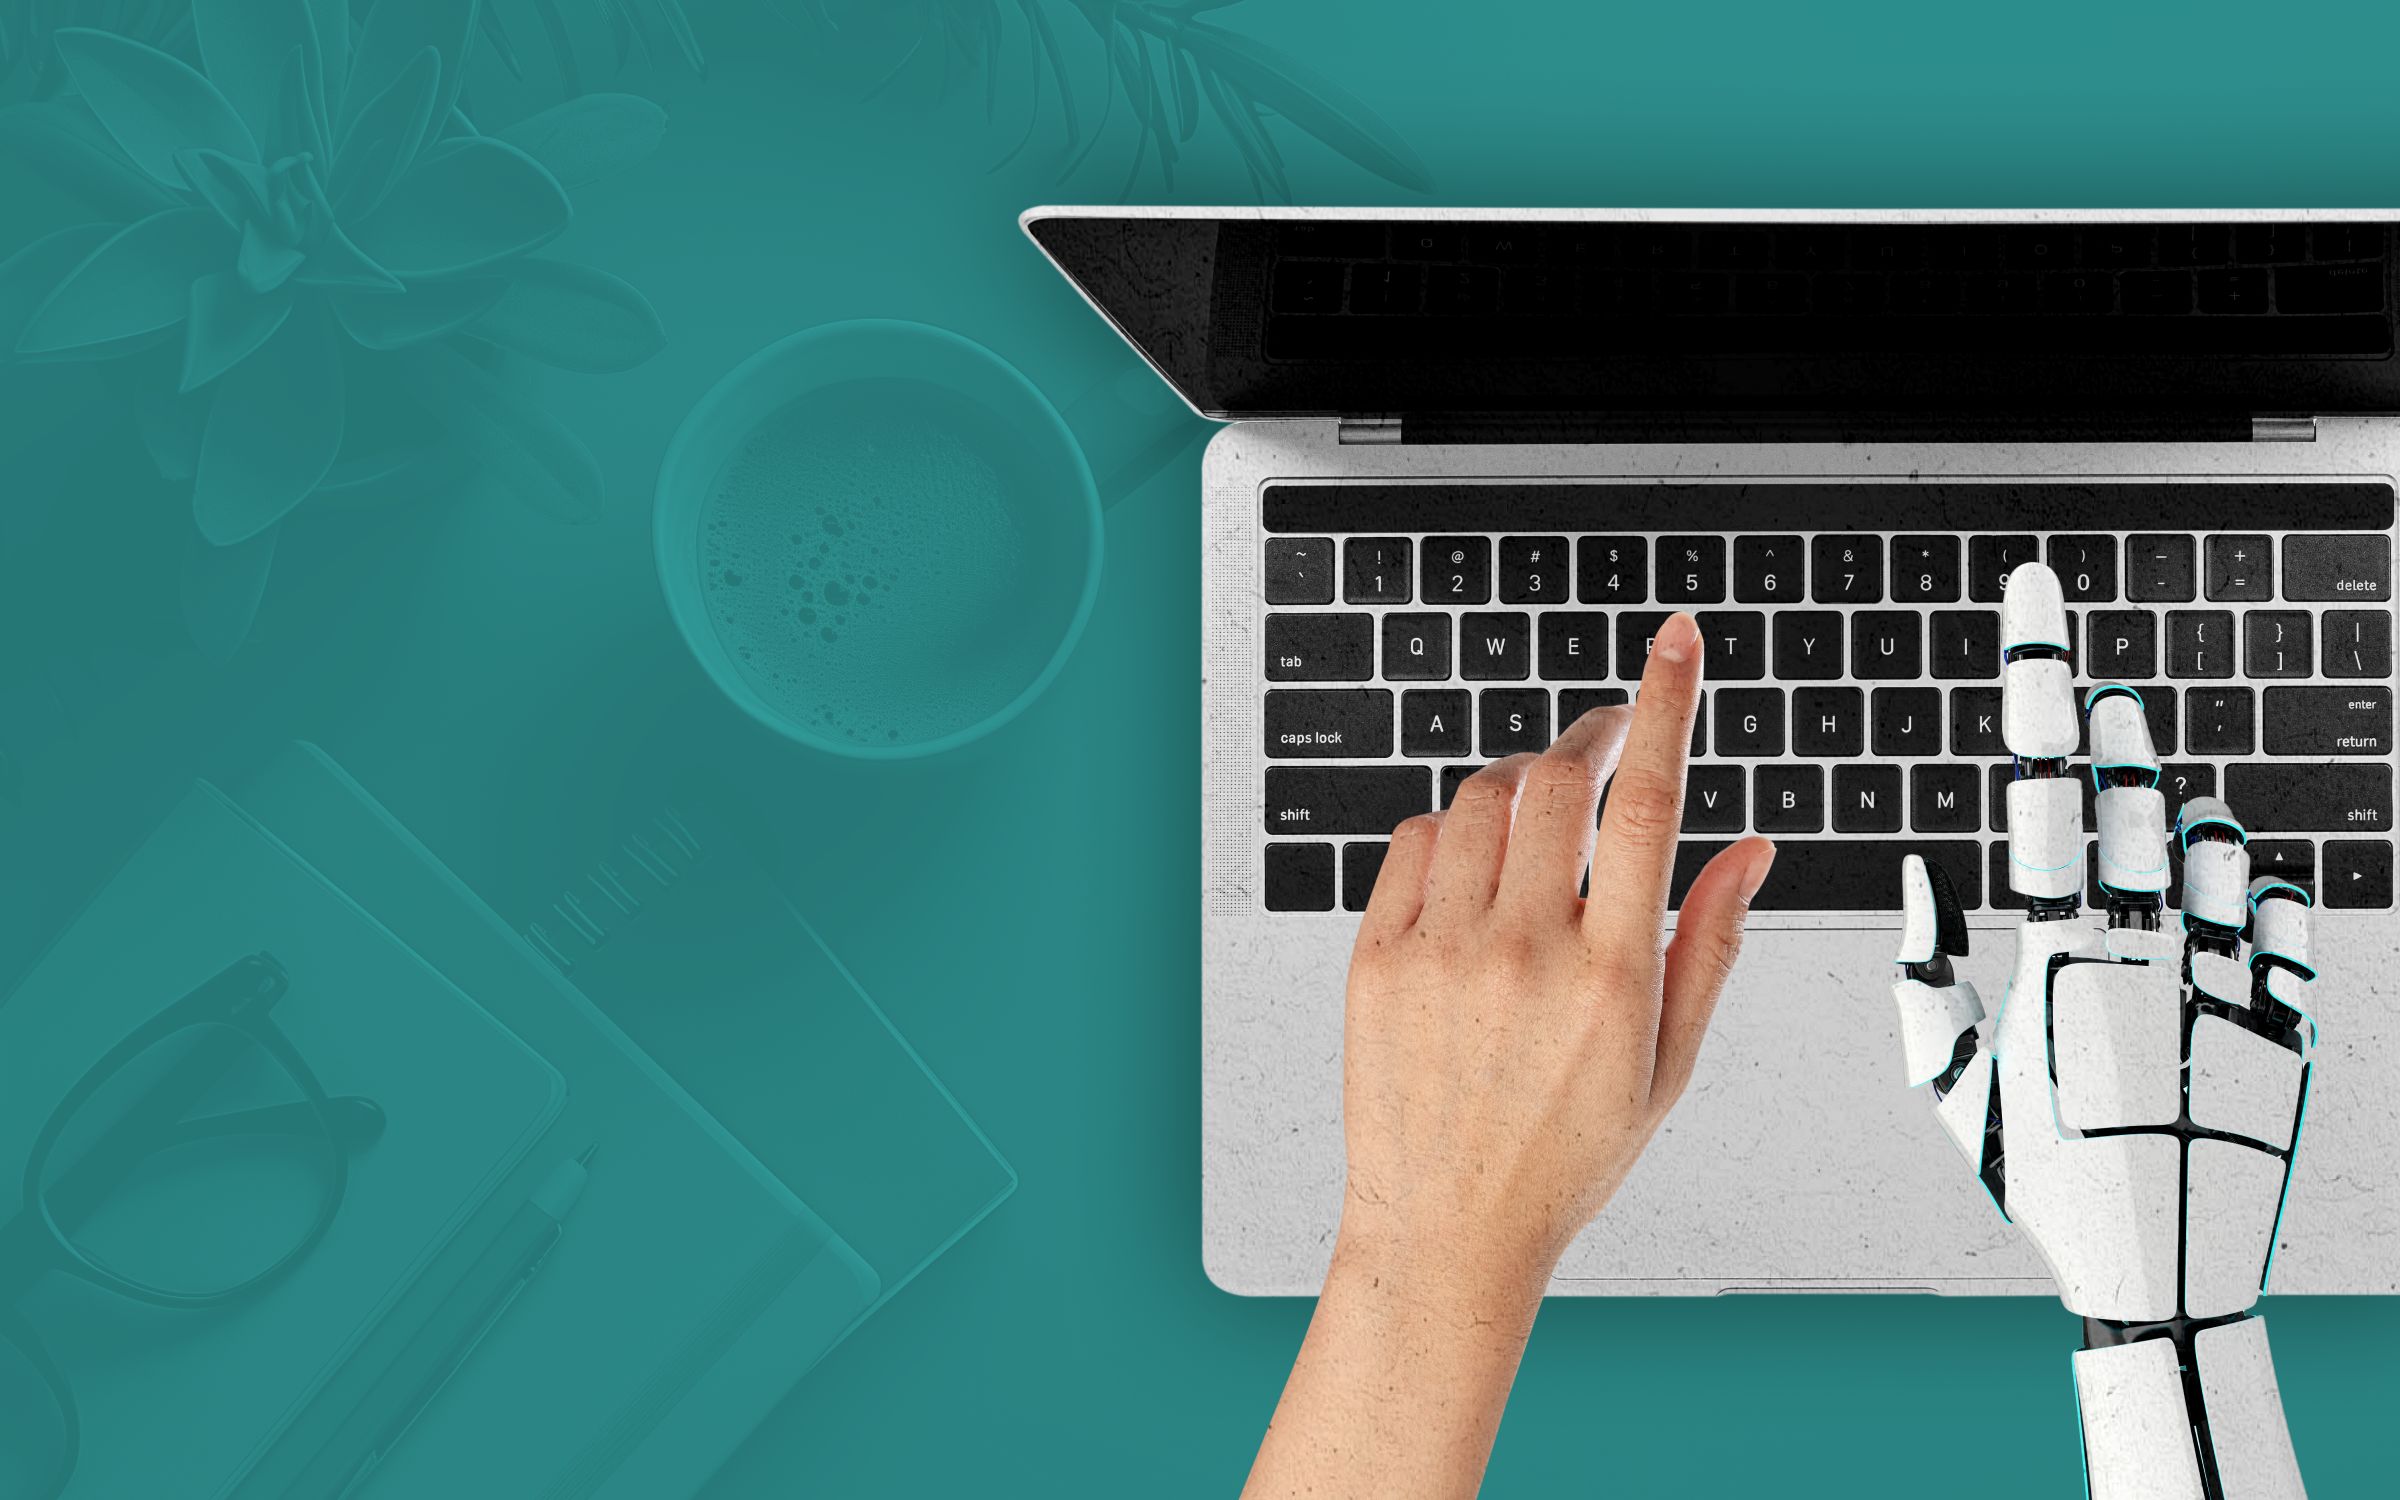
[{"x": 1840, "y": 874}]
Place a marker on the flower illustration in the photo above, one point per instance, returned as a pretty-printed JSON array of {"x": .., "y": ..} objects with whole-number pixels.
[{"x": 317, "y": 270}]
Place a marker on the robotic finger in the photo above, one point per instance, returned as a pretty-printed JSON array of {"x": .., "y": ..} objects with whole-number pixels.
[{"x": 2038, "y": 724}]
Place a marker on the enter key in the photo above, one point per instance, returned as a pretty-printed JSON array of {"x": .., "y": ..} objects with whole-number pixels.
[{"x": 2346, "y": 720}]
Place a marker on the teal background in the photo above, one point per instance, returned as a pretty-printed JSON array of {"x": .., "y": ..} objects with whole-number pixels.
[{"x": 1025, "y": 909}]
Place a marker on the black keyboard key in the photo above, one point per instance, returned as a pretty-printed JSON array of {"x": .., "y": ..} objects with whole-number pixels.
[
  {"x": 2153, "y": 294},
  {"x": 1533, "y": 570},
  {"x": 1887, "y": 645},
  {"x": 1456, "y": 570},
  {"x": 2241, "y": 568},
  {"x": 2086, "y": 566},
  {"x": 1712, "y": 799},
  {"x": 2278, "y": 643},
  {"x": 2294, "y": 860},
  {"x": 2158, "y": 707},
  {"x": 2348, "y": 569},
  {"x": 1454, "y": 777},
  {"x": 1511, "y": 720},
  {"x": 1495, "y": 647},
  {"x": 1574, "y": 646},
  {"x": 1299, "y": 877},
  {"x": 2161, "y": 568},
  {"x": 1416, "y": 647},
  {"x": 1329, "y": 723},
  {"x": 2238, "y": 293},
  {"x": 1791, "y": 799},
  {"x": 2347, "y": 720},
  {"x": 1908, "y": 721},
  {"x": 1386, "y": 289},
  {"x": 1736, "y": 644},
  {"x": 1375, "y": 570},
  {"x": 2181, "y": 781},
  {"x": 1866, "y": 799},
  {"x": 2329, "y": 289},
  {"x": 2351, "y": 797},
  {"x": 2004, "y": 890},
  {"x": 1990, "y": 559},
  {"x": 1925, "y": 570},
  {"x": 2358, "y": 642},
  {"x": 1307, "y": 286},
  {"x": 1766, "y": 569},
  {"x": 2220, "y": 721},
  {"x": 1361, "y": 863},
  {"x": 1846, "y": 569},
  {"x": 1808, "y": 645},
  {"x": 1635, "y": 631},
  {"x": 1612, "y": 570},
  {"x": 1749, "y": 722},
  {"x": 1691, "y": 570},
  {"x": 1299, "y": 570},
  {"x": 1966, "y": 645},
  {"x": 1428, "y": 242},
  {"x": 1436, "y": 722},
  {"x": 2200, "y": 643},
  {"x": 2122, "y": 645},
  {"x": 2357, "y": 874},
  {"x": 1829, "y": 722},
  {"x": 1944, "y": 799},
  {"x": 1320, "y": 648},
  {"x": 1975, "y": 723},
  {"x": 1574, "y": 703},
  {"x": 1462, "y": 291},
  {"x": 1831, "y": 875},
  {"x": 1345, "y": 799}
]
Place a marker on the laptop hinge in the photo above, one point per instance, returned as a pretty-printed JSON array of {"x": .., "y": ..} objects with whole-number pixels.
[{"x": 1739, "y": 426}]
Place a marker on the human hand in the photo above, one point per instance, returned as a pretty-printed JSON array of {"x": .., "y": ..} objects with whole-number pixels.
[
  {"x": 1510, "y": 1046},
  {"x": 2135, "y": 1105}
]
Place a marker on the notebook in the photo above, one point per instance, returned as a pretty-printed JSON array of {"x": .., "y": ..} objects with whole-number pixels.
[
  {"x": 692, "y": 1287},
  {"x": 178, "y": 1402}
]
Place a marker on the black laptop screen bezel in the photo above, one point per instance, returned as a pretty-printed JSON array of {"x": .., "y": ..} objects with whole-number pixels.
[{"x": 1190, "y": 292}]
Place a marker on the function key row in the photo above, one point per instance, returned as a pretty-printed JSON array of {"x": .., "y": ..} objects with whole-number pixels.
[{"x": 2166, "y": 567}]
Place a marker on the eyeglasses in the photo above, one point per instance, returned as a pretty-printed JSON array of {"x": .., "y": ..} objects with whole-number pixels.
[{"x": 195, "y": 1165}]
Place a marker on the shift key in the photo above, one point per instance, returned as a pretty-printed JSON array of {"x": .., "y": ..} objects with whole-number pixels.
[
  {"x": 2351, "y": 720},
  {"x": 2350, "y": 797},
  {"x": 1346, "y": 799},
  {"x": 1329, "y": 724},
  {"x": 2317, "y": 566}
]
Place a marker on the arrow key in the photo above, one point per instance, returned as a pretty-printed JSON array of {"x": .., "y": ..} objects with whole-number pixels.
[{"x": 2358, "y": 873}]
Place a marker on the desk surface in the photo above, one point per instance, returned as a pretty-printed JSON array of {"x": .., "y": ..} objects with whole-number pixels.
[{"x": 483, "y": 669}]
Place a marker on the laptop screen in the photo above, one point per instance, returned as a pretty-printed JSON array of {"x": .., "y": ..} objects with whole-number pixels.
[{"x": 1331, "y": 315}]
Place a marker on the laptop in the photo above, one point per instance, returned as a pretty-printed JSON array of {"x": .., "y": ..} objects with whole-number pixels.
[{"x": 1472, "y": 458}]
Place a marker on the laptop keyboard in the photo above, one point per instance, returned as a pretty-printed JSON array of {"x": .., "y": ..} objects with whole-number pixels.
[
  {"x": 1356, "y": 289},
  {"x": 1413, "y": 632}
]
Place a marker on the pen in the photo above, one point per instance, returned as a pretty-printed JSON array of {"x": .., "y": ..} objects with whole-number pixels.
[{"x": 450, "y": 1337}]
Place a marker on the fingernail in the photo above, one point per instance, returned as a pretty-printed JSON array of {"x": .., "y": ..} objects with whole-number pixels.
[
  {"x": 1677, "y": 639},
  {"x": 1759, "y": 866}
]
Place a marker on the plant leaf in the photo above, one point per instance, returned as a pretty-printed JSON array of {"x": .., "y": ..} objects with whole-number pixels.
[
  {"x": 1187, "y": 94},
  {"x": 221, "y": 589},
  {"x": 469, "y": 204},
  {"x": 243, "y": 44},
  {"x": 395, "y": 31},
  {"x": 28, "y": 277},
  {"x": 237, "y": 190},
  {"x": 151, "y": 103},
  {"x": 385, "y": 138},
  {"x": 562, "y": 44},
  {"x": 136, "y": 282},
  {"x": 1312, "y": 102},
  {"x": 590, "y": 136},
  {"x": 66, "y": 146},
  {"x": 426, "y": 310},
  {"x": 272, "y": 434},
  {"x": 332, "y": 21},
  {"x": 228, "y": 322},
  {"x": 680, "y": 24},
  {"x": 509, "y": 438},
  {"x": 574, "y": 317}
]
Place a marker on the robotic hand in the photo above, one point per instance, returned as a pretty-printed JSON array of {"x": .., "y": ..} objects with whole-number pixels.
[{"x": 2136, "y": 1101}]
